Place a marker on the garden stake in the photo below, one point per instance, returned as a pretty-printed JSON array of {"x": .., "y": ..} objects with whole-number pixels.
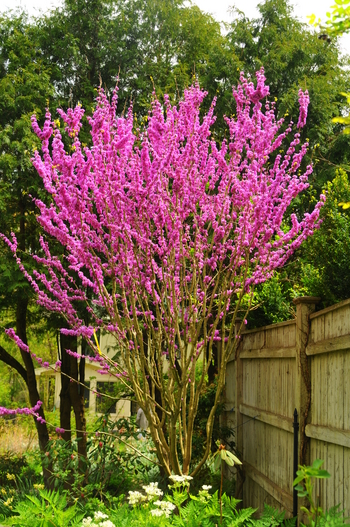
[{"x": 221, "y": 482}]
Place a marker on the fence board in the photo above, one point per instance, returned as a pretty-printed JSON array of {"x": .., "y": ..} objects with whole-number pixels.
[
  {"x": 330, "y": 435},
  {"x": 329, "y": 345},
  {"x": 269, "y": 418},
  {"x": 283, "y": 498},
  {"x": 269, "y": 353}
]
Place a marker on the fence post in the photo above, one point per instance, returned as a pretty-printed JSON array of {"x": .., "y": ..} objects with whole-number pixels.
[
  {"x": 238, "y": 416},
  {"x": 305, "y": 305}
]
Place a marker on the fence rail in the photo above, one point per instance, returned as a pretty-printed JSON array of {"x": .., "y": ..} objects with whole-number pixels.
[{"x": 302, "y": 364}]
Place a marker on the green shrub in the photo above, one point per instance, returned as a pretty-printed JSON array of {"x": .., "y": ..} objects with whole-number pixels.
[{"x": 48, "y": 510}]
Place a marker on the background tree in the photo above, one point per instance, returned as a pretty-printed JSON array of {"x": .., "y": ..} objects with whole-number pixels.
[
  {"x": 160, "y": 43},
  {"x": 24, "y": 87}
]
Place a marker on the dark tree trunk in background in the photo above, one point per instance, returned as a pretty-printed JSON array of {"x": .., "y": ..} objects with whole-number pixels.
[
  {"x": 21, "y": 330},
  {"x": 77, "y": 398},
  {"x": 72, "y": 393},
  {"x": 34, "y": 397},
  {"x": 65, "y": 400},
  {"x": 214, "y": 364}
]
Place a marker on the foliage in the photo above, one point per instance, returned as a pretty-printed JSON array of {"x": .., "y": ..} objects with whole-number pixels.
[
  {"x": 221, "y": 457},
  {"x": 319, "y": 268},
  {"x": 338, "y": 20},
  {"x": 293, "y": 56},
  {"x": 191, "y": 510},
  {"x": 220, "y": 432},
  {"x": 24, "y": 88},
  {"x": 20, "y": 468},
  {"x": 10, "y": 388},
  {"x": 344, "y": 119},
  {"x": 19, "y": 475},
  {"x": 48, "y": 510},
  {"x": 325, "y": 257},
  {"x": 338, "y": 23},
  {"x": 111, "y": 463},
  {"x": 315, "y": 514},
  {"x": 306, "y": 474},
  {"x": 160, "y": 43},
  {"x": 272, "y": 299}
]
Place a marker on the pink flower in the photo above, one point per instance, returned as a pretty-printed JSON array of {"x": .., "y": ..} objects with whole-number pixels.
[{"x": 304, "y": 103}]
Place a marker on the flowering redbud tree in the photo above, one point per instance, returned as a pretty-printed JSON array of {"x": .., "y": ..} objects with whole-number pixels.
[{"x": 165, "y": 235}]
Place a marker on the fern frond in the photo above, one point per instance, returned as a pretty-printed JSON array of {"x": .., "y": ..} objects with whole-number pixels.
[{"x": 241, "y": 517}]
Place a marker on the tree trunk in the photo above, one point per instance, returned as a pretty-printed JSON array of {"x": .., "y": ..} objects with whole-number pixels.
[
  {"x": 77, "y": 398},
  {"x": 65, "y": 400},
  {"x": 72, "y": 394},
  {"x": 34, "y": 397}
]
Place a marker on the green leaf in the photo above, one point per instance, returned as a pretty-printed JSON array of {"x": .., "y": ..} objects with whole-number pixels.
[
  {"x": 317, "y": 463},
  {"x": 229, "y": 461},
  {"x": 234, "y": 458},
  {"x": 302, "y": 494},
  {"x": 323, "y": 474},
  {"x": 217, "y": 463}
]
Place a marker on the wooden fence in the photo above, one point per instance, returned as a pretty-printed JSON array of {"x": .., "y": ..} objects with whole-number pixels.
[{"x": 303, "y": 364}]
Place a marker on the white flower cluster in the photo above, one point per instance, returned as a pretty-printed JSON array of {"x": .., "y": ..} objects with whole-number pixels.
[
  {"x": 165, "y": 508},
  {"x": 180, "y": 481},
  {"x": 157, "y": 512},
  {"x": 135, "y": 497},
  {"x": 152, "y": 491},
  {"x": 100, "y": 520},
  {"x": 203, "y": 494}
]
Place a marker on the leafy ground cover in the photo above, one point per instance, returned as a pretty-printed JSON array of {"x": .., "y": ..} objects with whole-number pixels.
[
  {"x": 153, "y": 507},
  {"x": 123, "y": 487},
  {"x": 178, "y": 507}
]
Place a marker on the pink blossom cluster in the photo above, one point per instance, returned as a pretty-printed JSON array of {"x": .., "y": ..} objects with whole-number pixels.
[
  {"x": 21, "y": 411},
  {"x": 60, "y": 430},
  {"x": 156, "y": 219},
  {"x": 304, "y": 104},
  {"x": 24, "y": 347}
]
